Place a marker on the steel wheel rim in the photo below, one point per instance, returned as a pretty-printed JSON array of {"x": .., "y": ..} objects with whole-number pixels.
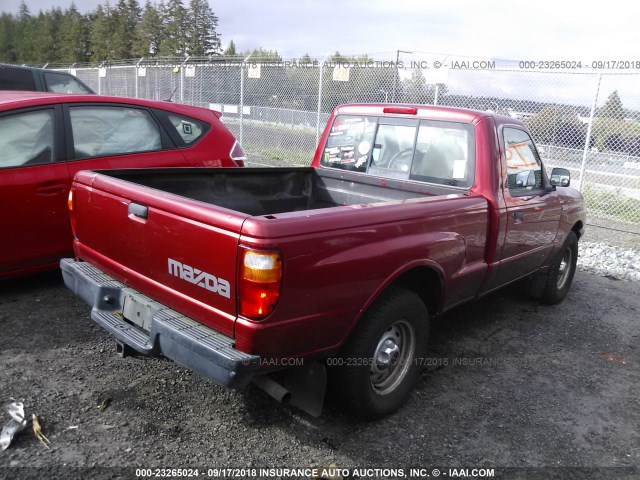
[
  {"x": 564, "y": 268},
  {"x": 392, "y": 357}
]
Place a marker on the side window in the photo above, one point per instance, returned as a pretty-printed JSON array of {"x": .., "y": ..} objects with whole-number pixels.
[
  {"x": 63, "y": 83},
  {"x": 100, "y": 131},
  {"x": 189, "y": 129},
  {"x": 27, "y": 138},
  {"x": 16, "y": 78},
  {"x": 524, "y": 167}
]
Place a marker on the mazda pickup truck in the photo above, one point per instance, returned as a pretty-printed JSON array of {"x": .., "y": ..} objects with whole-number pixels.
[{"x": 295, "y": 277}]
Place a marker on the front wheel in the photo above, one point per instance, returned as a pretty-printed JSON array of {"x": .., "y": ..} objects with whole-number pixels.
[
  {"x": 562, "y": 271},
  {"x": 381, "y": 360}
]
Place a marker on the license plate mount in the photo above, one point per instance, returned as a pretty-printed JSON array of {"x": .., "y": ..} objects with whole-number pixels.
[{"x": 137, "y": 311}]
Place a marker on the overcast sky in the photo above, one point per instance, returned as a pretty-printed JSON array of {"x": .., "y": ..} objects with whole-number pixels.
[
  {"x": 428, "y": 30},
  {"x": 509, "y": 29}
]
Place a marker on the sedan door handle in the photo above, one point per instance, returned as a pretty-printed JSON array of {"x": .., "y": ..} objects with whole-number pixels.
[{"x": 49, "y": 189}]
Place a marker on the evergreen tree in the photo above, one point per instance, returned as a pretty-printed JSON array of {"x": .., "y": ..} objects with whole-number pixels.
[
  {"x": 74, "y": 45},
  {"x": 102, "y": 34},
  {"x": 126, "y": 16},
  {"x": 7, "y": 38},
  {"x": 231, "y": 50},
  {"x": 109, "y": 33},
  {"x": 612, "y": 107},
  {"x": 43, "y": 42},
  {"x": 262, "y": 55},
  {"x": 148, "y": 32},
  {"x": 202, "y": 38},
  {"x": 47, "y": 43},
  {"x": 24, "y": 35},
  {"x": 174, "y": 42}
]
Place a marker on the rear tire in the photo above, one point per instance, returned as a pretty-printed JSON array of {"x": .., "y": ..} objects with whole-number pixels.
[
  {"x": 382, "y": 358},
  {"x": 562, "y": 271}
]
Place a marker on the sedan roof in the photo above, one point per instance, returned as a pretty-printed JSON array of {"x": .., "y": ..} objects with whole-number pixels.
[{"x": 10, "y": 100}]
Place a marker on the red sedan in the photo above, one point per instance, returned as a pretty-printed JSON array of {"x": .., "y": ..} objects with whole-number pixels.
[{"x": 45, "y": 138}]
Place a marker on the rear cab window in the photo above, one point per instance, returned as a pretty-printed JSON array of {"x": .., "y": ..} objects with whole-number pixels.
[{"x": 439, "y": 152}]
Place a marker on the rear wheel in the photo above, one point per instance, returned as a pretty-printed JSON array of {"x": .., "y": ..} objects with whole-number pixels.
[
  {"x": 562, "y": 271},
  {"x": 381, "y": 360}
]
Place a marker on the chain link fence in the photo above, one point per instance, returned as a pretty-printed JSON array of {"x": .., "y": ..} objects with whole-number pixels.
[{"x": 583, "y": 119}]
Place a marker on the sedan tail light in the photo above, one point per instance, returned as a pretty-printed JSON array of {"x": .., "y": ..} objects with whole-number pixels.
[{"x": 237, "y": 154}]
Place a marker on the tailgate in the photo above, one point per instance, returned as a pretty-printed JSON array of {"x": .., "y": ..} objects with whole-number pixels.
[{"x": 178, "y": 251}]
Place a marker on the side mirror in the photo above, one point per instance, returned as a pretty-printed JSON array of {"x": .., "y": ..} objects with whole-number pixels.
[{"x": 560, "y": 177}]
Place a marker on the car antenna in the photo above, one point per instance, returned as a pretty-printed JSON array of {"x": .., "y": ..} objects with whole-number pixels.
[{"x": 172, "y": 93}]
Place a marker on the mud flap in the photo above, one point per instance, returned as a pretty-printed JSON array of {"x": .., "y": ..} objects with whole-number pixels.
[
  {"x": 537, "y": 285},
  {"x": 307, "y": 385}
]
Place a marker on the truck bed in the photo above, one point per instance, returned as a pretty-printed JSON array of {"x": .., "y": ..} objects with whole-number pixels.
[
  {"x": 269, "y": 191},
  {"x": 161, "y": 231}
]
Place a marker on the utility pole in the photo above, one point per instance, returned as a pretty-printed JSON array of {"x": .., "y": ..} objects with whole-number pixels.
[{"x": 397, "y": 74}]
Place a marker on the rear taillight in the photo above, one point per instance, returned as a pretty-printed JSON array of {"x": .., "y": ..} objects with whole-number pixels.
[
  {"x": 71, "y": 204},
  {"x": 237, "y": 154},
  {"x": 258, "y": 283}
]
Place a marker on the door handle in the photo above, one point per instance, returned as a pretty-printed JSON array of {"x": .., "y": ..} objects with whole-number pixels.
[
  {"x": 49, "y": 189},
  {"x": 138, "y": 210},
  {"x": 518, "y": 216}
]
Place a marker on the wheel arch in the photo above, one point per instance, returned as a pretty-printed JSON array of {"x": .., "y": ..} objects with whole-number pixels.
[
  {"x": 427, "y": 283},
  {"x": 425, "y": 279}
]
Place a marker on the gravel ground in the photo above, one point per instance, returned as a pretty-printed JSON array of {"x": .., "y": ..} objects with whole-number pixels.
[
  {"x": 529, "y": 390},
  {"x": 611, "y": 250},
  {"x": 617, "y": 263}
]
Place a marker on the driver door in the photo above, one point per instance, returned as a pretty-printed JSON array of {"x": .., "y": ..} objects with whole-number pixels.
[{"x": 532, "y": 208}]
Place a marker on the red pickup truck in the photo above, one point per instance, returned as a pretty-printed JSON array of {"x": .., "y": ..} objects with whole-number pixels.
[{"x": 278, "y": 275}]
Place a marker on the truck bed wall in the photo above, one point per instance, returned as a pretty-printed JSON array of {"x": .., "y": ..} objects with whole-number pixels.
[{"x": 268, "y": 191}]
